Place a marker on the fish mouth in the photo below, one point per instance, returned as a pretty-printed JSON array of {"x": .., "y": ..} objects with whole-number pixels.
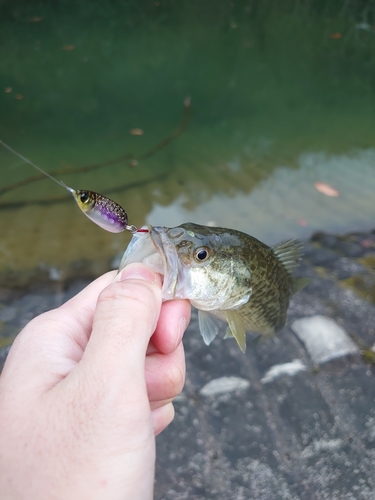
[{"x": 154, "y": 249}]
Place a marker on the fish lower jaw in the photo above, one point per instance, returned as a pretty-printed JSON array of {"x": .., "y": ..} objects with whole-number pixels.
[{"x": 155, "y": 262}]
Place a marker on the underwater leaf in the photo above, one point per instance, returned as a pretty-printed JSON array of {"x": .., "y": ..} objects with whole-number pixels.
[
  {"x": 326, "y": 189},
  {"x": 136, "y": 131}
]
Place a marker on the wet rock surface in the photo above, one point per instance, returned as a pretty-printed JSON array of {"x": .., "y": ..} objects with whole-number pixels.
[{"x": 294, "y": 417}]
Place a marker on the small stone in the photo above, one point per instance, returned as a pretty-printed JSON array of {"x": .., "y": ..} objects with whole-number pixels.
[
  {"x": 323, "y": 257},
  {"x": 345, "y": 268},
  {"x": 351, "y": 249},
  {"x": 54, "y": 274},
  {"x": 223, "y": 385},
  {"x": 324, "y": 339},
  {"x": 324, "y": 239},
  {"x": 277, "y": 371},
  {"x": 322, "y": 446},
  {"x": 181, "y": 398}
]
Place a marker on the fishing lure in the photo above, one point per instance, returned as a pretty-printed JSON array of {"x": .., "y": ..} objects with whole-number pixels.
[{"x": 103, "y": 211}]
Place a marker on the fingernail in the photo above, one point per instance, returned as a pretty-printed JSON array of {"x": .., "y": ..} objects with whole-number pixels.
[{"x": 138, "y": 272}]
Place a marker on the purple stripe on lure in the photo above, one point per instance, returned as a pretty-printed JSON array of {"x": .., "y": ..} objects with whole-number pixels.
[{"x": 105, "y": 212}]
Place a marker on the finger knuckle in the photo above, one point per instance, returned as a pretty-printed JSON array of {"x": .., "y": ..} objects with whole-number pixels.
[{"x": 175, "y": 380}]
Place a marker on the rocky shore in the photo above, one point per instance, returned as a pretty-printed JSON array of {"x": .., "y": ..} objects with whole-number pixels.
[{"x": 293, "y": 418}]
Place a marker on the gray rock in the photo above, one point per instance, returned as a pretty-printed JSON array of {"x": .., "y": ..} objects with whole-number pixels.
[
  {"x": 324, "y": 339},
  {"x": 224, "y": 385},
  {"x": 277, "y": 371},
  {"x": 270, "y": 429},
  {"x": 345, "y": 267}
]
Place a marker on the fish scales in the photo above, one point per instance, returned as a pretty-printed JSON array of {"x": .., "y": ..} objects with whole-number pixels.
[
  {"x": 226, "y": 274},
  {"x": 266, "y": 311}
]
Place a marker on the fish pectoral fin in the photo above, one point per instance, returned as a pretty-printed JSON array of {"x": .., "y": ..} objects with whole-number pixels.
[
  {"x": 208, "y": 325},
  {"x": 237, "y": 327},
  {"x": 300, "y": 283}
]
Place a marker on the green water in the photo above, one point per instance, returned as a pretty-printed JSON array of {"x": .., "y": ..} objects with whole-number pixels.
[{"x": 282, "y": 95}]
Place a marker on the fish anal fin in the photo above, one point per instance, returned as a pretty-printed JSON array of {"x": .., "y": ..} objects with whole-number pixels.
[
  {"x": 237, "y": 327},
  {"x": 228, "y": 334}
]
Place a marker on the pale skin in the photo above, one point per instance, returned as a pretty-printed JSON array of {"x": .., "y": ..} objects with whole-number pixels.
[{"x": 85, "y": 389}]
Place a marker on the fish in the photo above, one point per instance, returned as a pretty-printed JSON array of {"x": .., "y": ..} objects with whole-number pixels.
[
  {"x": 226, "y": 274},
  {"x": 101, "y": 210}
]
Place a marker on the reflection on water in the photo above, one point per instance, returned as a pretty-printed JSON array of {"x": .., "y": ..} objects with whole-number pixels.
[
  {"x": 282, "y": 95},
  {"x": 287, "y": 204}
]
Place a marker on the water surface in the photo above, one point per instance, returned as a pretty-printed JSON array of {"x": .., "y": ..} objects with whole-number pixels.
[{"x": 282, "y": 97}]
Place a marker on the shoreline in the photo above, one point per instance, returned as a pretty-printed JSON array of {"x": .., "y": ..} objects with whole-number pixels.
[
  {"x": 346, "y": 261},
  {"x": 303, "y": 402}
]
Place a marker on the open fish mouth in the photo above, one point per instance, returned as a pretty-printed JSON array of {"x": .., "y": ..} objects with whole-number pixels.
[{"x": 154, "y": 249}]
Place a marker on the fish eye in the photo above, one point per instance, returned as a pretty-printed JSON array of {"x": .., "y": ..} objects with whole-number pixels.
[
  {"x": 84, "y": 197},
  {"x": 201, "y": 254}
]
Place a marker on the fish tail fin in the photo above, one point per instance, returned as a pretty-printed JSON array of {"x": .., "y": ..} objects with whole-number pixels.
[
  {"x": 300, "y": 283},
  {"x": 228, "y": 334}
]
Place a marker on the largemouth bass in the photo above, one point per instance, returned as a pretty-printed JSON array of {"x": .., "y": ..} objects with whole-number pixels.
[{"x": 226, "y": 274}]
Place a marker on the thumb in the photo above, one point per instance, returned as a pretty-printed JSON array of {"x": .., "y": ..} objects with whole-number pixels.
[{"x": 125, "y": 318}]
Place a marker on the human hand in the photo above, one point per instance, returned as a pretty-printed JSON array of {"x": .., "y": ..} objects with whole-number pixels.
[{"x": 85, "y": 388}]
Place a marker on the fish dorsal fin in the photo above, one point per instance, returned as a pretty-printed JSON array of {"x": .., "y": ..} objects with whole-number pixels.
[
  {"x": 208, "y": 325},
  {"x": 237, "y": 327},
  {"x": 288, "y": 253}
]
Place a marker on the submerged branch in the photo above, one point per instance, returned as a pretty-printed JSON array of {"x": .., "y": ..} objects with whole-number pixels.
[
  {"x": 175, "y": 135},
  {"x": 94, "y": 166}
]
